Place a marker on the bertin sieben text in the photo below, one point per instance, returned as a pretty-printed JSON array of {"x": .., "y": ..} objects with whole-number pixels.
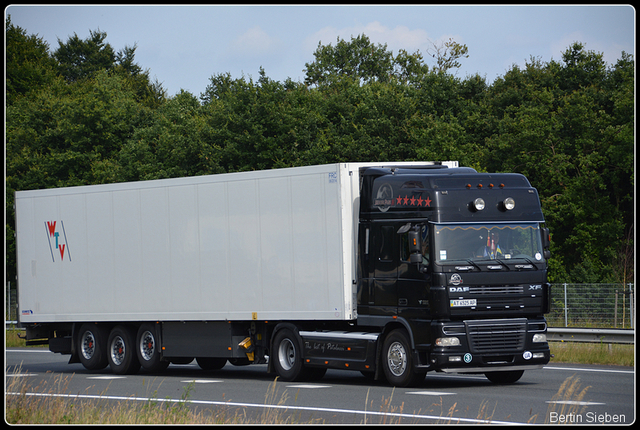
[{"x": 587, "y": 418}]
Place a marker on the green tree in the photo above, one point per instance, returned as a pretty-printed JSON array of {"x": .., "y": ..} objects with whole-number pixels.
[
  {"x": 447, "y": 54},
  {"x": 80, "y": 59},
  {"x": 563, "y": 127},
  {"x": 174, "y": 144},
  {"x": 359, "y": 59},
  {"x": 29, "y": 67},
  {"x": 364, "y": 61}
]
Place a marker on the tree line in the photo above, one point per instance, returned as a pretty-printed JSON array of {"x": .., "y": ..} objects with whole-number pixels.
[{"x": 87, "y": 114}]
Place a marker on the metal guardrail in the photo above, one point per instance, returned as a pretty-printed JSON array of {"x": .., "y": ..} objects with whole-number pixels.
[{"x": 590, "y": 335}]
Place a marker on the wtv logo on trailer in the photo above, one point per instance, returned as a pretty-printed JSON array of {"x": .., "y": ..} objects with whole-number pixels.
[{"x": 57, "y": 241}]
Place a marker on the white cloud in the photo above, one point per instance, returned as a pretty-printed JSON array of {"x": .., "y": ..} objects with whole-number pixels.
[
  {"x": 254, "y": 42},
  {"x": 400, "y": 37}
]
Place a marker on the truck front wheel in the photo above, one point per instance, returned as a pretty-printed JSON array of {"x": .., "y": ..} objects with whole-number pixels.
[
  {"x": 92, "y": 341},
  {"x": 121, "y": 351},
  {"x": 148, "y": 350},
  {"x": 397, "y": 361},
  {"x": 287, "y": 356}
]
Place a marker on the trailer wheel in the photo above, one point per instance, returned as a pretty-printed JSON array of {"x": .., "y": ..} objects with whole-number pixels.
[
  {"x": 504, "y": 377},
  {"x": 397, "y": 361},
  {"x": 287, "y": 356},
  {"x": 92, "y": 342},
  {"x": 148, "y": 350},
  {"x": 121, "y": 351}
]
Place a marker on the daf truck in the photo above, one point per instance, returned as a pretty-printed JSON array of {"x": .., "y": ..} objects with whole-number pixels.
[{"x": 391, "y": 269}]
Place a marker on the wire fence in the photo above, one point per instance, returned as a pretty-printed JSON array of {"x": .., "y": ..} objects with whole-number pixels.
[
  {"x": 592, "y": 305},
  {"x": 573, "y": 305}
]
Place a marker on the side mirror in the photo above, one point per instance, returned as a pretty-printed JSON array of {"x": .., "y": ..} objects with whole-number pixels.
[{"x": 415, "y": 242}]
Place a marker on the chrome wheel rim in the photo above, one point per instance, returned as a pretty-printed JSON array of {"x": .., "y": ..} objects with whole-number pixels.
[
  {"x": 286, "y": 354},
  {"x": 147, "y": 345},
  {"x": 118, "y": 349},
  {"x": 397, "y": 359},
  {"x": 88, "y": 345}
]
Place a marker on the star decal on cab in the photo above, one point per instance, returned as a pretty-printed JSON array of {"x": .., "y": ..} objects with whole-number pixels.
[{"x": 413, "y": 201}]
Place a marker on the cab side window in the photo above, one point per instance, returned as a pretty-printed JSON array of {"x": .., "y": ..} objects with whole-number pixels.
[{"x": 386, "y": 244}]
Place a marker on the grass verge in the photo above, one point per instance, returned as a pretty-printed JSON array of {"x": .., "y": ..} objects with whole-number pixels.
[{"x": 49, "y": 403}]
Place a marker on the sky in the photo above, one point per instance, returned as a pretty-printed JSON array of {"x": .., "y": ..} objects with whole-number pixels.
[{"x": 184, "y": 46}]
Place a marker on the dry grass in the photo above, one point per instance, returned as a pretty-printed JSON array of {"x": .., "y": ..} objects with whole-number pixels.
[
  {"x": 48, "y": 403},
  {"x": 569, "y": 398}
]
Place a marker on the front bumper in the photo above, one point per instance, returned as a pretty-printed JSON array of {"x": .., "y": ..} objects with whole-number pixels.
[{"x": 490, "y": 345}]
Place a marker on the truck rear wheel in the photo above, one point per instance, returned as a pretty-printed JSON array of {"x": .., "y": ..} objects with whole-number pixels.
[
  {"x": 287, "y": 356},
  {"x": 92, "y": 342},
  {"x": 121, "y": 351},
  {"x": 397, "y": 361},
  {"x": 148, "y": 350},
  {"x": 508, "y": 377}
]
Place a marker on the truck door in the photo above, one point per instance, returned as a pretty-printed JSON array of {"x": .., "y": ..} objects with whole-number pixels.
[
  {"x": 413, "y": 279},
  {"x": 383, "y": 297}
]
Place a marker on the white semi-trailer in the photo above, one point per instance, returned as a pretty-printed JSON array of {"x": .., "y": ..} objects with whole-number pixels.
[{"x": 364, "y": 266}]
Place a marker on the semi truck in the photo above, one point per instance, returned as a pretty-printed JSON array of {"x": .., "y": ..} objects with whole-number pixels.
[{"x": 391, "y": 269}]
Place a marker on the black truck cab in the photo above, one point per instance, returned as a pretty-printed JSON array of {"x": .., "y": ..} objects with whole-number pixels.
[{"x": 458, "y": 259}]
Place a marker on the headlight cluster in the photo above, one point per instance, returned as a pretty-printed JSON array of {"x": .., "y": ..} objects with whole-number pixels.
[{"x": 507, "y": 204}]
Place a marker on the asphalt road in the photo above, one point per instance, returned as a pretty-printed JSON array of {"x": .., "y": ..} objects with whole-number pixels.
[{"x": 348, "y": 397}]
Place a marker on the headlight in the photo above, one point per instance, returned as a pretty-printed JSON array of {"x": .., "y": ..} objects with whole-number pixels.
[
  {"x": 448, "y": 341},
  {"x": 509, "y": 203},
  {"x": 539, "y": 337},
  {"x": 478, "y": 204}
]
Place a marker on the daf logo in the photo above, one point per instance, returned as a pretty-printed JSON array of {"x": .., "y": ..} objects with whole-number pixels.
[
  {"x": 455, "y": 279},
  {"x": 458, "y": 289}
]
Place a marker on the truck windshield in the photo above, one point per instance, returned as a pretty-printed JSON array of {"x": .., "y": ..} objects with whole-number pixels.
[{"x": 488, "y": 241}]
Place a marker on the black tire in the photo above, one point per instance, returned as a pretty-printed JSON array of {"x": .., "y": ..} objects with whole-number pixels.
[
  {"x": 508, "y": 377},
  {"x": 121, "y": 351},
  {"x": 211, "y": 363},
  {"x": 287, "y": 356},
  {"x": 148, "y": 349},
  {"x": 397, "y": 360},
  {"x": 181, "y": 360},
  {"x": 314, "y": 373},
  {"x": 91, "y": 345}
]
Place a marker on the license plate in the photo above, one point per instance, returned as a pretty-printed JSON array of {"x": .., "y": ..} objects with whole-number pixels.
[{"x": 462, "y": 303}]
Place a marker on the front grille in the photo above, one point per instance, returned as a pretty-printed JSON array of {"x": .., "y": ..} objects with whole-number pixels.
[
  {"x": 500, "y": 303},
  {"x": 496, "y": 289},
  {"x": 496, "y": 336}
]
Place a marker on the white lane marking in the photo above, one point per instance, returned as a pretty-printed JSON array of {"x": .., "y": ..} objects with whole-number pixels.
[
  {"x": 202, "y": 381},
  {"x": 573, "y": 402},
  {"x": 257, "y": 405},
  {"x": 431, "y": 393},
  {"x": 589, "y": 370},
  {"x": 106, "y": 377},
  {"x": 308, "y": 386}
]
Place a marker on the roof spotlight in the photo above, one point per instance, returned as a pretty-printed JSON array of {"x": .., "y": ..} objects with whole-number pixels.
[
  {"x": 509, "y": 203},
  {"x": 478, "y": 204}
]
